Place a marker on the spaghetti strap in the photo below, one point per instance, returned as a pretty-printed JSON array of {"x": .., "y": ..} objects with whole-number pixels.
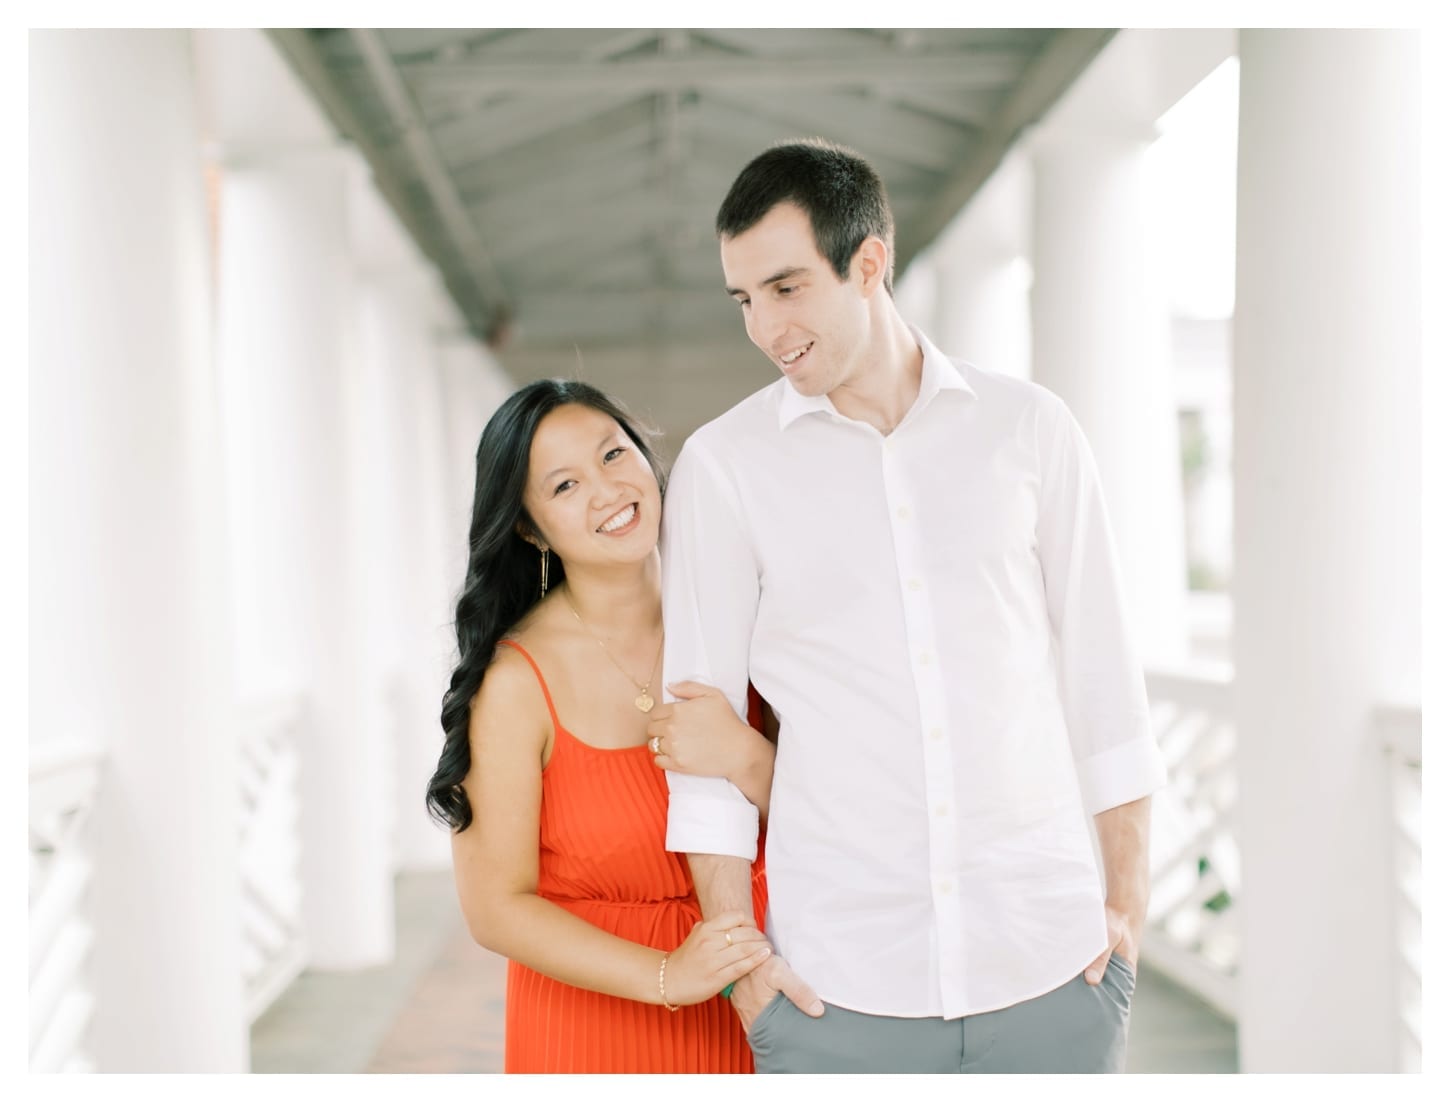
[{"x": 529, "y": 658}]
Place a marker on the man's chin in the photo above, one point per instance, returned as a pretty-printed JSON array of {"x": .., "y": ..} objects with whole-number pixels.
[{"x": 805, "y": 386}]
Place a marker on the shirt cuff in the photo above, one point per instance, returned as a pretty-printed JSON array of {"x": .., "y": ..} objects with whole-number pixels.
[
  {"x": 1121, "y": 775},
  {"x": 706, "y": 824}
]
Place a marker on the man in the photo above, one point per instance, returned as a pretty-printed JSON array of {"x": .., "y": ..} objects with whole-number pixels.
[{"x": 910, "y": 559}]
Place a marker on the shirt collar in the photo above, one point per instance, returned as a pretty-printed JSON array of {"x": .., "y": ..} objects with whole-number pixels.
[{"x": 937, "y": 374}]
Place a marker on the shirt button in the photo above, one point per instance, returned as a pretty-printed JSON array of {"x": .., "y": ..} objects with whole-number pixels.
[
  {"x": 924, "y": 658},
  {"x": 936, "y": 732},
  {"x": 903, "y": 512},
  {"x": 941, "y": 810},
  {"x": 914, "y": 584},
  {"x": 944, "y": 886}
]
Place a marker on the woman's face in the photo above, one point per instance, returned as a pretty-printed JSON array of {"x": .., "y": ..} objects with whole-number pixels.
[{"x": 590, "y": 492}]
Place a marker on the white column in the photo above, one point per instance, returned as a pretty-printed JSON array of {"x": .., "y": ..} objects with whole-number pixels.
[
  {"x": 435, "y": 592},
  {"x": 1101, "y": 341},
  {"x": 129, "y": 631},
  {"x": 915, "y": 293},
  {"x": 473, "y": 387},
  {"x": 290, "y": 365},
  {"x": 981, "y": 307},
  {"x": 407, "y": 518},
  {"x": 1326, "y": 577}
]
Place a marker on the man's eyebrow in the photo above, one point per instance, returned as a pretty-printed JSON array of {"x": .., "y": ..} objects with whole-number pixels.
[{"x": 783, "y": 274}]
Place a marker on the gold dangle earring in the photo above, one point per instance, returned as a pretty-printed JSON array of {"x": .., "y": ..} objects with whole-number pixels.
[{"x": 543, "y": 572}]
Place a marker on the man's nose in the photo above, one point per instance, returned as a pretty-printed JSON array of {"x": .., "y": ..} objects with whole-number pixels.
[{"x": 765, "y": 325}]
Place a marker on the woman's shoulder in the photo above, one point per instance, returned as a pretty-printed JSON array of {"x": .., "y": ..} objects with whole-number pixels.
[
  {"x": 532, "y": 641},
  {"x": 511, "y": 697}
]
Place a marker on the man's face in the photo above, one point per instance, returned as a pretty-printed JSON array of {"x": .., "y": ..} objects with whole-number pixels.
[{"x": 812, "y": 325}]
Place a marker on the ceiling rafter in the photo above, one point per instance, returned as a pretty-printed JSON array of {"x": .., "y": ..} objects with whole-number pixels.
[
  {"x": 1066, "y": 55},
  {"x": 656, "y": 74},
  {"x": 301, "y": 52},
  {"x": 590, "y": 162},
  {"x": 900, "y": 135},
  {"x": 429, "y": 163},
  {"x": 547, "y": 152}
]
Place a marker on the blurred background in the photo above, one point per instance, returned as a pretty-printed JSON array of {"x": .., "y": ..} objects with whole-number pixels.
[{"x": 279, "y": 280}]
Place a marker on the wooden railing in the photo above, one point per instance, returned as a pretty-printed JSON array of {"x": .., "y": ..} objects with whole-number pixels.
[
  {"x": 273, "y": 949},
  {"x": 1398, "y": 728},
  {"x": 64, "y": 778},
  {"x": 1191, "y": 932}
]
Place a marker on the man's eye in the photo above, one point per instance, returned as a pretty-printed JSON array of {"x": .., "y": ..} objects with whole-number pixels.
[
  {"x": 559, "y": 489},
  {"x": 742, "y": 302},
  {"x": 789, "y": 290}
]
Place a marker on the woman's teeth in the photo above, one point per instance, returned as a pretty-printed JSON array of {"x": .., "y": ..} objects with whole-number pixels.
[{"x": 619, "y": 520}]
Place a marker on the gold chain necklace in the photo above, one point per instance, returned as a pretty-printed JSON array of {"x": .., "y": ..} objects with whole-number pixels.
[{"x": 644, "y": 702}]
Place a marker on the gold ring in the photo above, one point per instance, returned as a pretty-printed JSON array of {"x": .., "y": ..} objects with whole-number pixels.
[
  {"x": 729, "y": 941},
  {"x": 654, "y": 744}
]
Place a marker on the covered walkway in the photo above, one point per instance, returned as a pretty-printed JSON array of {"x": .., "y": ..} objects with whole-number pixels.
[
  {"x": 438, "y": 1007},
  {"x": 278, "y": 281}
]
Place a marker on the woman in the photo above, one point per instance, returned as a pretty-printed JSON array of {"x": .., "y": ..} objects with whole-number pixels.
[{"x": 547, "y": 777}]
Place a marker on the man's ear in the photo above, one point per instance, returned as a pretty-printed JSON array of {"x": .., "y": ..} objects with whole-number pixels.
[{"x": 870, "y": 264}]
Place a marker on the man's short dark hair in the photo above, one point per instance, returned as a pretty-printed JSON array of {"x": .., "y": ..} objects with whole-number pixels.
[{"x": 840, "y": 193}]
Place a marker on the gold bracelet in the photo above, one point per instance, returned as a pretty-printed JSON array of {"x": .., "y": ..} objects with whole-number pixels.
[{"x": 663, "y": 997}]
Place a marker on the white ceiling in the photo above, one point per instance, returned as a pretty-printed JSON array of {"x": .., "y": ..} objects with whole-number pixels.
[{"x": 567, "y": 180}]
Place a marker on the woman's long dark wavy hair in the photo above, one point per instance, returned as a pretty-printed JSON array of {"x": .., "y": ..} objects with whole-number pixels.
[{"x": 502, "y": 582}]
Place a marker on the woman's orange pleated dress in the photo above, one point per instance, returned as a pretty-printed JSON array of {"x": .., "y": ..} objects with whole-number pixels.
[{"x": 602, "y": 857}]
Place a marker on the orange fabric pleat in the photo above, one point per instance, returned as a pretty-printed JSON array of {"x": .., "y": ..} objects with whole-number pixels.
[{"x": 602, "y": 856}]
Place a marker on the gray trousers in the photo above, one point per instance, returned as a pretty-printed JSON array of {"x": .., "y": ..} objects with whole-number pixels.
[{"x": 1077, "y": 1027}]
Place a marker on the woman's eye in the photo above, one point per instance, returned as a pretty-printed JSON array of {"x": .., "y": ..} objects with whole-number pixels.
[
  {"x": 566, "y": 484},
  {"x": 611, "y": 453}
]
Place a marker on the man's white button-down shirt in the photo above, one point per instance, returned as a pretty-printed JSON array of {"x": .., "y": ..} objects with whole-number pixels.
[{"x": 935, "y": 617}]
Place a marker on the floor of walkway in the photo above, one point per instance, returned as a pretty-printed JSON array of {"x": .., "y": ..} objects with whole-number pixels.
[{"x": 438, "y": 1007}]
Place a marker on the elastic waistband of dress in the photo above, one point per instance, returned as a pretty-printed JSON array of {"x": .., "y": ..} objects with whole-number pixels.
[{"x": 570, "y": 900}]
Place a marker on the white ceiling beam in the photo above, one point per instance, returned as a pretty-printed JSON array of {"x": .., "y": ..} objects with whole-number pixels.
[
  {"x": 493, "y": 131},
  {"x": 561, "y": 148},
  {"x": 429, "y": 162},
  {"x": 969, "y": 109},
  {"x": 873, "y": 127},
  {"x": 599, "y": 182},
  {"x": 504, "y": 181},
  {"x": 1068, "y": 53},
  {"x": 731, "y": 126},
  {"x": 620, "y": 43},
  {"x": 301, "y": 52},
  {"x": 665, "y": 73},
  {"x": 558, "y": 224},
  {"x": 821, "y": 42}
]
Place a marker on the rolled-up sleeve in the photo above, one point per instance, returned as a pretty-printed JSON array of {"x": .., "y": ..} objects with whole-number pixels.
[
  {"x": 1104, "y": 700},
  {"x": 710, "y": 591}
]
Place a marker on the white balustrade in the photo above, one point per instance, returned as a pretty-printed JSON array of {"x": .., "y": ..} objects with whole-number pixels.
[
  {"x": 1191, "y": 932},
  {"x": 64, "y": 777},
  {"x": 273, "y": 947},
  {"x": 1399, "y": 728}
]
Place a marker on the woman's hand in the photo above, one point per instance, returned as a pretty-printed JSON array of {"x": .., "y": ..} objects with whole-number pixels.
[
  {"x": 700, "y": 734},
  {"x": 715, "y": 953}
]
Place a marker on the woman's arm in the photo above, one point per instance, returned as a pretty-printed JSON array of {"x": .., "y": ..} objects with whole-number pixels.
[
  {"x": 496, "y": 869},
  {"x": 700, "y": 734}
]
